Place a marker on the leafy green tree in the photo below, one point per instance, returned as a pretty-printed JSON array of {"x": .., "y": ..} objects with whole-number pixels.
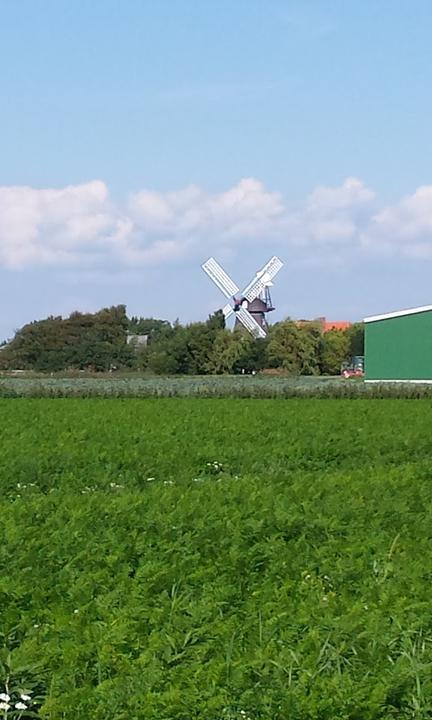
[
  {"x": 355, "y": 335},
  {"x": 216, "y": 321},
  {"x": 228, "y": 350},
  {"x": 310, "y": 340},
  {"x": 254, "y": 355},
  {"x": 335, "y": 349},
  {"x": 294, "y": 348},
  {"x": 283, "y": 345},
  {"x": 184, "y": 351},
  {"x": 160, "y": 359},
  {"x": 96, "y": 341},
  {"x": 149, "y": 326}
]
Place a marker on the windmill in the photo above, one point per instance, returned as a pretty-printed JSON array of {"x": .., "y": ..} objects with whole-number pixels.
[{"x": 251, "y": 306}]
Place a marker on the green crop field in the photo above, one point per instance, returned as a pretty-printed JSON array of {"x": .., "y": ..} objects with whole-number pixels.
[
  {"x": 215, "y": 559},
  {"x": 210, "y": 386}
]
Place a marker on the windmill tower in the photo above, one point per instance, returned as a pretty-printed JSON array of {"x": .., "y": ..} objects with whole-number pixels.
[{"x": 252, "y": 304}]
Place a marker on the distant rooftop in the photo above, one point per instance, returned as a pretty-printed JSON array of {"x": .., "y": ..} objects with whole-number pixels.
[
  {"x": 137, "y": 340},
  {"x": 327, "y": 325}
]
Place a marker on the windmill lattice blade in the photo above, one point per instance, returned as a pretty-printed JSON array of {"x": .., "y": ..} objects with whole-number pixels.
[
  {"x": 273, "y": 266},
  {"x": 250, "y": 323},
  {"x": 220, "y": 278},
  {"x": 258, "y": 284},
  {"x": 227, "y": 311}
]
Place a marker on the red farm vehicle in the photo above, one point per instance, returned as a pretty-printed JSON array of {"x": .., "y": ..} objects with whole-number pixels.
[{"x": 353, "y": 369}]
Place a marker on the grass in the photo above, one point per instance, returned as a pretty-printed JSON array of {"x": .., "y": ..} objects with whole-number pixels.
[{"x": 170, "y": 559}]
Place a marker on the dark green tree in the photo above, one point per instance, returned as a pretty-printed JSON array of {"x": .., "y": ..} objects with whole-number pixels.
[
  {"x": 228, "y": 351},
  {"x": 334, "y": 351},
  {"x": 254, "y": 355},
  {"x": 152, "y": 327},
  {"x": 355, "y": 335},
  {"x": 82, "y": 341},
  {"x": 294, "y": 348},
  {"x": 185, "y": 350}
]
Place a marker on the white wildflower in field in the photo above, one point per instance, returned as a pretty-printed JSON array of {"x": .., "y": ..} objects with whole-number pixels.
[
  {"x": 25, "y": 697},
  {"x": 235, "y": 715},
  {"x": 20, "y": 706},
  {"x": 215, "y": 465},
  {"x": 150, "y": 479},
  {"x": 5, "y": 697},
  {"x": 4, "y": 706},
  {"x": 88, "y": 490}
]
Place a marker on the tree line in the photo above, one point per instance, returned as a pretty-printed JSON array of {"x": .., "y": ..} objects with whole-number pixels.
[{"x": 98, "y": 342}]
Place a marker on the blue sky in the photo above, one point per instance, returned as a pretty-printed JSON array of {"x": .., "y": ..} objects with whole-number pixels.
[{"x": 140, "y": 137}]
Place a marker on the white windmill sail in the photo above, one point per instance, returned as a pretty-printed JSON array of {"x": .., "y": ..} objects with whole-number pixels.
[
  {"x": 257, "y": 285},
  {"x": 220, "y": 278},
  {"x": 250, "y": 323},
  {"x": 262, "y": 280}
]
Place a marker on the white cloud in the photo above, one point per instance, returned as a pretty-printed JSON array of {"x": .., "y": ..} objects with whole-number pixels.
[
  {"x": 80, "y": 226},
  {"x": 334, "y": 214},
  {"x": 242, "y": 211},
  {"x": 52, "y": 226},
  {"x": 404, "y": 228}
]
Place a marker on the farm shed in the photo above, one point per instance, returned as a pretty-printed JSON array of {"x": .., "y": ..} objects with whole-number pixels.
[{"x": 398, "y": 346}]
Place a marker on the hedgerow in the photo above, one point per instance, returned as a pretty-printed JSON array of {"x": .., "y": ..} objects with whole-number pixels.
[
  {"x": 171, "y": 559},
  {"x": 239, "y": 386}
]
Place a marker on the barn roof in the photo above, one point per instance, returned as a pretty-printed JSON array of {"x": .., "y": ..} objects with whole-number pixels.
[{"x": 398, "y": 313}]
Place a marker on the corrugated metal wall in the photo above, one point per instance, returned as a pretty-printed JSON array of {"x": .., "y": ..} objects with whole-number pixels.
[{"x": 399, "y": 348}]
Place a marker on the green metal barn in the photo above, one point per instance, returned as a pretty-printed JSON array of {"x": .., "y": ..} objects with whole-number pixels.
[{"x": 398, "y": 346}]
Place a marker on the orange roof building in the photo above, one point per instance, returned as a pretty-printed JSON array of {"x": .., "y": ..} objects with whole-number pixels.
[
  {"x": 335, "y": 325},
  {"x": 327, "y": 325}
]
